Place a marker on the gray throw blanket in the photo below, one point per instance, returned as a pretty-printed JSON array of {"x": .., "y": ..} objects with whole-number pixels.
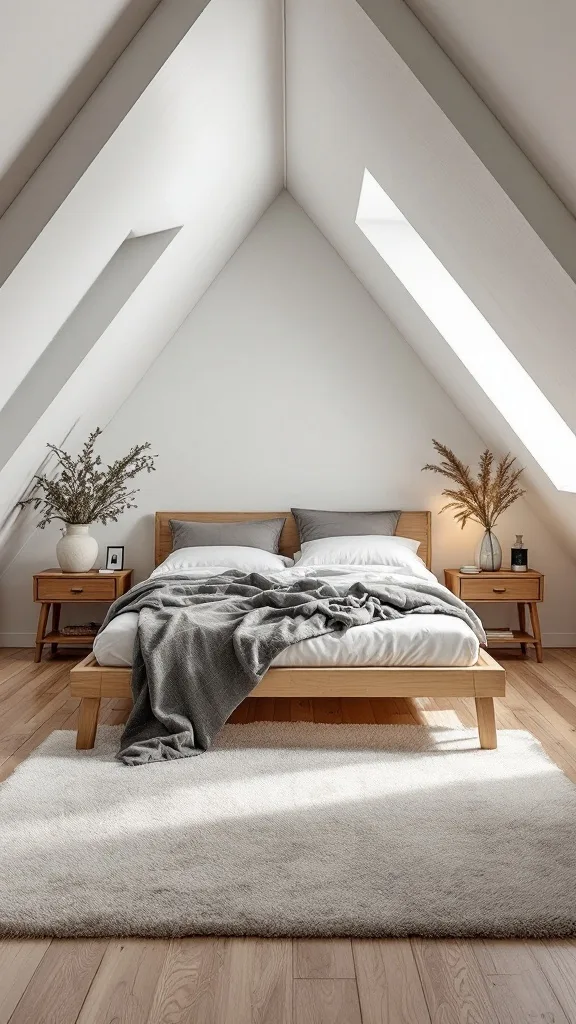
[{"x": 202, "y": 646}]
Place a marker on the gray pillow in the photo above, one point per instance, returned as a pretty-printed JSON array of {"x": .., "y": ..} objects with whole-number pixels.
[
  {"x": 313, "y": 524},
  {"x": 254, "y": 533}
]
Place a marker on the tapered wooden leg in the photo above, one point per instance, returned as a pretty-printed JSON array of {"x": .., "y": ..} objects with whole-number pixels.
[
  {"x": 535, "y": 620},
  {"x": 87, "y": 722},
  {"x": 522, "y": 622},
  {"x": 42, "y": 622},
  {"x": 55, "y": 623},
  {"x": 486, "y": 722}
]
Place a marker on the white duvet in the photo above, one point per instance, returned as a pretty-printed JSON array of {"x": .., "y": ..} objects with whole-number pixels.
[{"x": 432, "y": 640}]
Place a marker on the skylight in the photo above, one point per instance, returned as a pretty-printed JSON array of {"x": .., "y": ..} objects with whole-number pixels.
[{"x": 536, "y": 422}]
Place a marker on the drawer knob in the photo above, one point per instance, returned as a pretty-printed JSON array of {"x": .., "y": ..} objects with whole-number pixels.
[
  {"x": 499, "y": 590},
  {"x": 76, "y": 590}
]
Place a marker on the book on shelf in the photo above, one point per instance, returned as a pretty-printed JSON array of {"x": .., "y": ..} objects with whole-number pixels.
[{"x": 500, "y": 633}]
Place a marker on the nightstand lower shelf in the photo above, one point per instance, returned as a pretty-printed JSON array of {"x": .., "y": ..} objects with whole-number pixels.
[
  {"x": 519, "y": 637},
  {"x": 85, "y": 639}
]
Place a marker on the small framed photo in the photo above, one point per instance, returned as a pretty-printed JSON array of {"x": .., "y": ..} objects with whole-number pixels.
[{"x": 115, "y": 558}]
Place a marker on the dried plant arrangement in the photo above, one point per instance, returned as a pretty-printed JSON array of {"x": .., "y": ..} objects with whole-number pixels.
[
  {"x": 483, "y": 498},
  {"x": 85, "y": 491}
]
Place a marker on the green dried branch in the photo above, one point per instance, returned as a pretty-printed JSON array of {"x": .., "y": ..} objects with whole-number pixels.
[
  {"x": 86, "y": 491},
  {"x": 482, "y": 499}
]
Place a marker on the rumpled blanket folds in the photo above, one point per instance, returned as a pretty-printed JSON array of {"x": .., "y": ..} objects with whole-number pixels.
[{"x": 203, "y": 645}]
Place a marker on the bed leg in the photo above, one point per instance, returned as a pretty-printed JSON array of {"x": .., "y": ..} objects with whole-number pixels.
[
  {"x": 486, "y": 722},
  {"x": 87, "y": 722}
]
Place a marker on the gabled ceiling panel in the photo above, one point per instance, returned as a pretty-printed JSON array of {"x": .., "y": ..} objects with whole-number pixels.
[
  {"x": 352, "y": 102},
  {"x": 519, "y": 56},
  {"x": 54, "y": 55},
  {"x": 94, "y": 126},
  {"x": 201, "y": 151}
]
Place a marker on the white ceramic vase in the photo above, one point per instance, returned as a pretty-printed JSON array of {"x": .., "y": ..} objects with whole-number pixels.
[{"x": 76, "y": 550}]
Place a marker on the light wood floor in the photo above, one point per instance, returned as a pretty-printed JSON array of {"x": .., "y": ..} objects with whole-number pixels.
[{"x": 251, "y": 981}]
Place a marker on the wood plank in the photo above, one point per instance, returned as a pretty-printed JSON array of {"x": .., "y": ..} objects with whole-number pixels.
[
  {"x": 60, "y": 984},
  {"x": 326, "y": 1001},
  {"x": 32, "y": 681},
  {"x": 465, "y": 711},
  {"x": 15, "y": 672},
  {"x": 518, "y": 988},
  {"x": 327, "y": 710},
  {"x": 240, "y": 714},
  {"x": 18, "y": 962},
  {"x": 33, "y": 713},
  {"x": 452, "y": 981},
  {"x": 557, "y": 960},
  {"x": 357, "y": 710},
  {"x": 525, "y": 688},
  {"x": 389, "y": 985},
  {"x": 323, "y": 958},
  {"x": 384, "y": 710},
  {"x": 554, "y": 745},
  {"x": 300, "y": 709},
  {"x": 264, "y": 709},
  {"x": 188, "y": 983},
  {"x": 24, "y": 745},
  {"x": 255, "y": 983},
  {"x": 282, "y": 709},
  {"x": 124, "y": 986}
]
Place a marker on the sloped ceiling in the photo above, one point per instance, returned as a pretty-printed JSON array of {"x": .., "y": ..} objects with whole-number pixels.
[
  {"x": 54, "y": 55},
  {"x": 353, "y": 102},
  {"x": 519, "y": 56},
  {"x": 188, "y": 130},
  {"x": 201, "y": 149}
]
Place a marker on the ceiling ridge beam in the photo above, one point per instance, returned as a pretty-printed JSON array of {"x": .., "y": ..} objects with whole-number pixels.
[{"x": 493, "y": 145}]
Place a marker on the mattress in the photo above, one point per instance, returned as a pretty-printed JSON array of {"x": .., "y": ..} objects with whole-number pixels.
[{"x": 415, "y": 640}]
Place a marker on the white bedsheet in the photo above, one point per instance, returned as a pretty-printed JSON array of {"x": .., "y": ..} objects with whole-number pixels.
[{"x": 432, "y": 640}]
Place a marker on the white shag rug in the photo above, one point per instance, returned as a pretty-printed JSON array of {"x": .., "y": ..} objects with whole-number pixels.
[{"x": 292, "y": 829}]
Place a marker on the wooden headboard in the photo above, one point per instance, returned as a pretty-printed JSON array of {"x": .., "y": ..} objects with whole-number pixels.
[{"x": 415, "y": 525}]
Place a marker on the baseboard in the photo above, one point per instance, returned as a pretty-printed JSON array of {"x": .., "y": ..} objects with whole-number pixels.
[
  {"x": 17, "y": 639},
  {"x": 559, "y": 639}
]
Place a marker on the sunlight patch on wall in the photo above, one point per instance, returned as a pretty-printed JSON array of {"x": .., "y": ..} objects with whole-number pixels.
[{"x": 535, "y": 421}]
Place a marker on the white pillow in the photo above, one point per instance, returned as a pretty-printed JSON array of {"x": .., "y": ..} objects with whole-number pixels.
[
  {"x": 399, "y": 552},
  {"x": 222, "y": 557}
]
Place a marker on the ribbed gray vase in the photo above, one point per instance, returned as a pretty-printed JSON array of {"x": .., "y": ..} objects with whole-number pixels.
[{"x": 489, "y": 553}]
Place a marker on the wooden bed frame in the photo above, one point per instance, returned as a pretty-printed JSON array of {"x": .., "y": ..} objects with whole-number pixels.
[{"x": 483, "y": 681}]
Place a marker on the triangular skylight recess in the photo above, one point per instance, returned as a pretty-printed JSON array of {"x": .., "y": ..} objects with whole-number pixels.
[{"x": 535, "y": 421}]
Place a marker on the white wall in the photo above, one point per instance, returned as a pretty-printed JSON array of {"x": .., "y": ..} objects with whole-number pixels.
[{"x": 287, "y": 385}]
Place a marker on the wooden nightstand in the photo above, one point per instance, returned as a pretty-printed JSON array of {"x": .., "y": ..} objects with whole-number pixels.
[
  {"x": 524, "y": 588},
  {"x": 55, "y": 588}
]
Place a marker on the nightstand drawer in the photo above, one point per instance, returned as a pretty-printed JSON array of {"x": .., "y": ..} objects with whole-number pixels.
[
  {"x": 81, "y": 589},
  {"x": 506, "y": 589}
]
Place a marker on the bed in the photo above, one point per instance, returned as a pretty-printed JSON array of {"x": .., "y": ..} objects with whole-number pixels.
[{"x": 483, "y": 680}]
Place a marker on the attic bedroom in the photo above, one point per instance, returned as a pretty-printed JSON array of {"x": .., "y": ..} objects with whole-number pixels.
[{"x": 287, "y": 506}]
